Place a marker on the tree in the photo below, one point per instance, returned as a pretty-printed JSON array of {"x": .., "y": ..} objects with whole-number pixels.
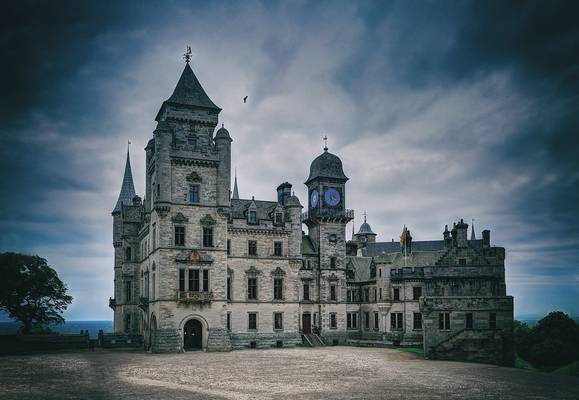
[
  {"x": 553, "y": 342},
  {"x": 31, "y": 291}
]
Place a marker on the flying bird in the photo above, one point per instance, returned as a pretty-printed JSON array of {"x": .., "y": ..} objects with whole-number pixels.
[{"x": 245, "y": 99}]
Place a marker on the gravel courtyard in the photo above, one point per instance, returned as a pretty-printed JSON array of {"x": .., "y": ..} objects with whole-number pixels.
[{"x": 301, "y": 373}]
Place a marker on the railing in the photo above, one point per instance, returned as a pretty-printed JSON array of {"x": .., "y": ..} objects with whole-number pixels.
[
  {"x": 195, "y": 297},
  {"x": 328, "y": 213}
]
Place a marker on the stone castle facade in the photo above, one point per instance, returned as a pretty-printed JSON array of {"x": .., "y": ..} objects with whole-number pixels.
[{"x": 196, "y": 267}]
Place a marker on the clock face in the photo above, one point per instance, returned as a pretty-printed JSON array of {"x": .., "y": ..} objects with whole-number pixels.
[
  {"x": 332, "y": 197},
  {"x": 314, "y": 197}
]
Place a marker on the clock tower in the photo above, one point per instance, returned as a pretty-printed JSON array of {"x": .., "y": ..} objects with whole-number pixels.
[{"x": 326, "y": 220}]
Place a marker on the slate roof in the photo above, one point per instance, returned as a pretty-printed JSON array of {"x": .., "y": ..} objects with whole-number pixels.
[
  {"x": 264, "y": 208},
  {"x": 326, "y": 165},
  {"x": 365, "y": 229},
  {"x": 127, "y": 188},
  {"x": 361, "y": 268},
  {"x": 190, "y": 92},
  {"x": 381, "y": 248}
]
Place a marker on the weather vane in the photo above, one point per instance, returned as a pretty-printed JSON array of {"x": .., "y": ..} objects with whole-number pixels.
[
  {"x": 325, "y": 142},
  {"x": 187, "y": 55}
]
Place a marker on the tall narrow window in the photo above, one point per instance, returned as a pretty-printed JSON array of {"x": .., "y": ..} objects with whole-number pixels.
[
  {"x": 277, "y": 249},
  {"x": 205, "y": 280},
  {"x": 333, "y": 321},
  {"x": 252, "y": 248},
  {"x": 492, "y": 320},
  {"x": 416, "y": 292},
  {"x": 181, "y": 280},
  {"x": 193, "y": 280},
  {"x": 252, "y": 321},
  {"x": 207, "y": 236},
  {"x": 153, "y": 287},
  {"x": 444, "y": 321},
  {"x": 333, "y": 292},
  {"x": 154, "y": 237},
  {"x": 468, "y": 321},
  {"x": 306, "y": 291},
  {"x": 375, "y": 297},
  {"x": 380, "y": 292},
  {"x": 229, "y": 321},
  {"x": 228, "y": 247},
  {"x": 376, "y": 321},
  {"x": 128, "y": 291},
  {"x": 349, "y": 320},
  {"x": 278, "y": 321},
  {"x": 396, "y": 293},
  {"x": 379, "y": 272},
  {"x": 252, "y": 288},
  {"x": 179, "y": 236},
  {"x": 278, "y": 288},
  {"x": 367, "y": 320},
  {"x": 194, "y": 194},
  {"x": 252, "y": 217},
  {"x": 229, "y": 288},
  {"x": 417, "y": 321},
  {"x": 367, "y": 295},
  {"x": 333, "y": 262},
  {"x": 128, "y": 254}
]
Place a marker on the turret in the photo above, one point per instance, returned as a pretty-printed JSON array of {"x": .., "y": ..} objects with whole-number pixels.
[
  {"x": 461, "y": 234},
  {"x": 284, "y": 192},
  {"x": 294, "y": 212},
  {"x": 223, "y": 145}
]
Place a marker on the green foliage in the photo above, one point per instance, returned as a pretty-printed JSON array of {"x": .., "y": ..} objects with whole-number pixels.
[
  {"x": 31, "y": 291},
  {"x": 570, "y": 370},
  {"x": 552, "y": 343},
  {"x": 415, "y": 350},
  {"x": 524, "y": 364}
]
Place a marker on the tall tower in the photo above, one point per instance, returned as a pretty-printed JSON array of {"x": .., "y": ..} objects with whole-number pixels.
[
  {"x": 188, "y": 194},
  {"x": 326, "y": 219},
  {"x": 126, "y": 222}
]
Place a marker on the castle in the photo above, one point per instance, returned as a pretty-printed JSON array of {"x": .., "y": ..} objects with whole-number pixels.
[{"x": 197, "y": 267}]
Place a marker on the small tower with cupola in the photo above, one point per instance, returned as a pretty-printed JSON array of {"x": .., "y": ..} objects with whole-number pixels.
[{"x": 326, "y": 220}]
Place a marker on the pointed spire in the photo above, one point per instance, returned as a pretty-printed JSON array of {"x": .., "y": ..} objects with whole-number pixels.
[
  {"x": 190, "y": 92},
  {"x": 235, "y": 189},
  {"x": 472, "y": 235},
  {"x": 128, "y": 188}
]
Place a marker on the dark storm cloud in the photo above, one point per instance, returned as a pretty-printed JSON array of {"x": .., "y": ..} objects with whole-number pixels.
[{"x": 439, "y": 110}]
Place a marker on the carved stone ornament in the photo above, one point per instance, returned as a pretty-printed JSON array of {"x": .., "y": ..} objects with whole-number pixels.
[
  {"x": 252, "y": 271},
  {"x": 208, "y": 220},
  {"x": 278, "y": 272},
  {"x": 179, "y": 218},
  {"x": 333, "y": 277},
  {"x": 194, "y": 177},
  {"x": 193, "y": 257}
]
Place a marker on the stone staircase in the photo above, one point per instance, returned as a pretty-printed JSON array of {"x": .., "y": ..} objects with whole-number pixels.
[{"x": 313, "y": 340}]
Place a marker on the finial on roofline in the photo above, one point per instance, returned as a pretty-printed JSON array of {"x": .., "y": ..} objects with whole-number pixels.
[
  {"x": 325, "y": 143},
  {"x": 187, "y": 55}
]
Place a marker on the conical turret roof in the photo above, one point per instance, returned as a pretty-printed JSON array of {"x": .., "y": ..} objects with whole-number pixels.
[
  {"x": 127, "y": 189},
  {"x": 235, "y": 189}
]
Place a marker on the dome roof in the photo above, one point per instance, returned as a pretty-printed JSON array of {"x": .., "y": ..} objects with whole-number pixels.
[
  {"x": 326, "y": 165},
  {"x": 365, "y": 229},
  {"x": 293, "y": 201},
  {"x": 222, "y": 133}
]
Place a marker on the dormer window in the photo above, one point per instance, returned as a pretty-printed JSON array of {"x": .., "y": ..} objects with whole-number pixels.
[
  {"x": 278, "y": 219},
  {"x": 252, "y": 217},
  {"x": 192, "y": 141}
]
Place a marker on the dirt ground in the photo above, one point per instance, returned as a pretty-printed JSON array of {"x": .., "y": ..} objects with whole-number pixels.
[{"x": 301, "y": 373}]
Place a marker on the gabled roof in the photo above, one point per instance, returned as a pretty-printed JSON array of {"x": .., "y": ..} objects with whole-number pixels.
[
  {"x": 264, "y": 208},
  {"x": 361, "y": 268},
  {"x": 308, "y": 246},
  {"x": 127, "y": 189}
]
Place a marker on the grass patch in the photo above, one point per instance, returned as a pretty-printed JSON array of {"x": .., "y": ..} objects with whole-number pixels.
[
  {"x": 569, "y": 370},
  {"x": 416, "y": 350},
  {"x": 524, "y": 364}
]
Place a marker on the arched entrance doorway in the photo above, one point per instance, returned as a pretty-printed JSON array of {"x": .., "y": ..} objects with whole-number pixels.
[
  {"x": 152, "y": 332},
  {"x": 193, "y": 335}
]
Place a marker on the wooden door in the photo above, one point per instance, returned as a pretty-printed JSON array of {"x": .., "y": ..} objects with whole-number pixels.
[{"x": 306, "y": 324}]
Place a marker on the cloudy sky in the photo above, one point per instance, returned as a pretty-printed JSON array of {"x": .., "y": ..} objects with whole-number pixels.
[{"x": 439, "y": 110}]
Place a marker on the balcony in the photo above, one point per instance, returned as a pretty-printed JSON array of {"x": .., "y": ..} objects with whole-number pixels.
[
  {"x": 328, "y": 214},
  {"x": 195, "y": 297},
  {"x": 112, "y": 303}
]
